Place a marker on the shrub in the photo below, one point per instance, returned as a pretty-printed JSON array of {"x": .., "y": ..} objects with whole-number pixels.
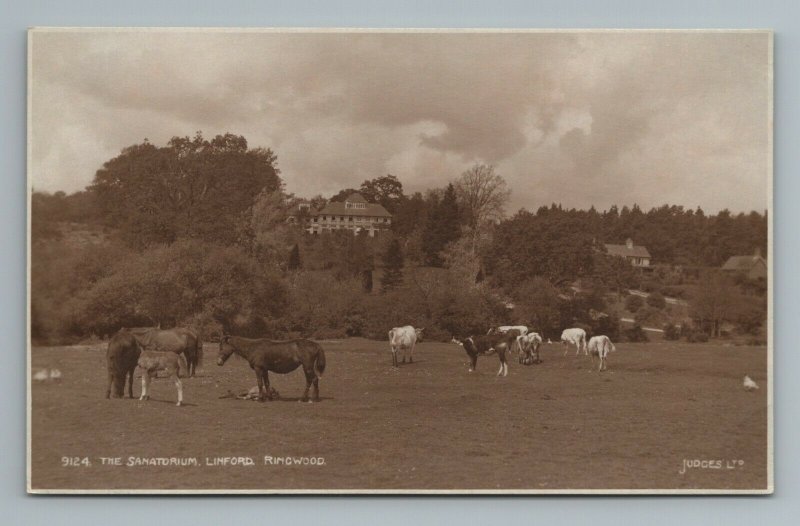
[
  {"x": 697, "y": 337},
  {"x": 649, "y": 316},
  {"x": 633, "y": 303},
  {"x": 672, "y": 332},
  {"x": 657, "y": 301},
  {"x": 636, "y": 334},
  {"x": 607, "y": 325}
]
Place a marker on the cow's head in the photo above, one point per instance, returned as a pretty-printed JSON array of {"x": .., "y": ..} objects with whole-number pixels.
[{"x": 418, "y": 332}]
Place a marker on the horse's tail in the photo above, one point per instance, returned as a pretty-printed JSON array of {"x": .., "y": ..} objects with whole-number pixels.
[
  {"x": 612, "y": 345},
  {"x": 319, "y": 362},
  {"x": 182, "y": 365}
]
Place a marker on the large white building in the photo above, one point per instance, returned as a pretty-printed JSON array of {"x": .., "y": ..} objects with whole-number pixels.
[{"x": 354, "y": 214}]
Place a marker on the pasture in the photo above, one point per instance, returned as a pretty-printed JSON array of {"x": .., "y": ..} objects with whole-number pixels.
[{"x": 426, "y": 425}]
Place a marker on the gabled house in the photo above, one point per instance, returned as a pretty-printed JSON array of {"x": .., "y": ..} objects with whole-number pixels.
[
  {"x": 636, "y": 255},
  {"x": 754, "y": 267}
]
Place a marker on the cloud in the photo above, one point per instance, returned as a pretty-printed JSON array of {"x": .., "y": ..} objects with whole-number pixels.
[{"x": 577, "y": 118}]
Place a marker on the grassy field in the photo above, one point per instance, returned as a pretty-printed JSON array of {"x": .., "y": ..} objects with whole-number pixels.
[{"x": 427, "y": 425}]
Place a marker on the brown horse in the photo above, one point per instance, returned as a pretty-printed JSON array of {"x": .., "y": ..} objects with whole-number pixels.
[
  {"x": 179, "y": 340},
  {"x": 122, "y": 354},
  {"x": 153, "y": 362},
  {"x": 281, "y": 357}
]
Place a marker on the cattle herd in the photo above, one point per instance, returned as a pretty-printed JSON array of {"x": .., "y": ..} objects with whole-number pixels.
[
  {"x": 505, "y": 339},
  {"x": 177, "y": 352}
]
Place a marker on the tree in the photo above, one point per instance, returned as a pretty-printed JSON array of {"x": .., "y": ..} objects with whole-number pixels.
[
  {"x": 393, "y": 267},
  {"x": 294, "y": 259},
  {"x": 386, "y": 191},
  {"x": 633, "y": 303},
  {"x": 190, "y": 188},
  {"x": 442, "y": 227},
  {"x": 264, "y": 230},
  {"x": 342, "y": 195},
  {"x": 715, "y": 300},
  {"x": 657, "y": 301},
  {"x": 482, "y": 194}
]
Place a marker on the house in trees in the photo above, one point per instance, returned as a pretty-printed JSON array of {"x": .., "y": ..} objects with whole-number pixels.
[
  {"x": 754, "y": 267},
  {"x": 354, "y": 214},
  {"x": 636, "y": 255}
]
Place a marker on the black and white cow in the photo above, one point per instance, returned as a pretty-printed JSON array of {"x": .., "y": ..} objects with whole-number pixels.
[{"x": 488, "y": 344}]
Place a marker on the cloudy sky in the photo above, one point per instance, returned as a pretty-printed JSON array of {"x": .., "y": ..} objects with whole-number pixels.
[{"x": 577, "y": 118}]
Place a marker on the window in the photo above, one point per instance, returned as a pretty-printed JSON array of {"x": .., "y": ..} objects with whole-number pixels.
[{"x": 351, "y": 219}]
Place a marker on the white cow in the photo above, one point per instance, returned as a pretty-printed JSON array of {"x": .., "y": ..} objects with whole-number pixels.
[
  {"x": 576, "y": 337},
  {"x": 505, "y": 328},
  {"x": 404, "y": 338},
  {"x": 528, "y": 345},
  {"x": 600, "y": 346}
]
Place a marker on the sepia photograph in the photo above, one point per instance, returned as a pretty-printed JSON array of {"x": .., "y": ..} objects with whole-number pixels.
[{"x": 403, "y": 261}]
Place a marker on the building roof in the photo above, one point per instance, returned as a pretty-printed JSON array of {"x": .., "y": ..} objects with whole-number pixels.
[
  {"x": 338, "y": 208},
  {"x": 742, "y": 263},
  {"x": 633, "y": 251}
]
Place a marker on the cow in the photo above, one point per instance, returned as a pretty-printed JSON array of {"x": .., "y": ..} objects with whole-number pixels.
[
  {"x": 576, "y": 337},
  {"x": 600, "y": 346},
  {"x": 529, "y": 348},
  {"x": 485, "y": 345},
  {"x": 523, "y": 330},
  {"x": 404, "y": 338}
]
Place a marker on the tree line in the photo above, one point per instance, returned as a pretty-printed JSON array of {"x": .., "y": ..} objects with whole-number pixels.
[{"x": 196, "y": 232}]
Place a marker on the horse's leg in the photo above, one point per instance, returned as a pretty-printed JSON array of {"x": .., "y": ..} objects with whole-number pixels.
[
  {"x": 110, "y": 383},
  {"x": 266, "y": 385},
  {"x": 309, "y": 380},
  {"x": 145, "y": 384},
  {"x": 394, "y": 357},
  {"x": 316, "y": 388},
  {"x": 260, "y": 381},
  {"x": 473, "y": 362},
  {"x": 411, "y": 354},
  {"x": 566, "y": 346},
  {"x": 179, "y": 385},
  {"x": 130, "y": 382}
]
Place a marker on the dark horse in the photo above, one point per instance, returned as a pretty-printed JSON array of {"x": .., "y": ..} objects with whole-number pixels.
[
  {"x": 179, "y": 340},
  {"x": 277, "y": 356},
  {"x": 122, "y": 356}
]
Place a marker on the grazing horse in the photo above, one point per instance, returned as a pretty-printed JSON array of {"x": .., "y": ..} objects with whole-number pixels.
[
  {"x": 280, "y": 357},
  {"x": 600, "y": 346},
  {"x": 153, "y": 362},
  {"x": 179, "y": 340},
  {"x": 576, "y": 337},
  {"x": 121, "y": 357},
  {"x": 485, "y": 345}
]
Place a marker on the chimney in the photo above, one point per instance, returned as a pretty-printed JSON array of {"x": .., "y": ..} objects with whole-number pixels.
[{"x": 629, "y": 243}]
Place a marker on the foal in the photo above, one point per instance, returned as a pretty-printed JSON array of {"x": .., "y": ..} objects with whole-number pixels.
[{"x": 152, "y": 362}]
